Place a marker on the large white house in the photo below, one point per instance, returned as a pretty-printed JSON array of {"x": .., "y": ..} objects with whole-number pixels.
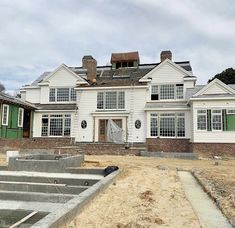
[{"x": 158, "y": 104}]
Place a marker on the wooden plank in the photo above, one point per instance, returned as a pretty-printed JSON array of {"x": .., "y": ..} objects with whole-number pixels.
[{"x": 24, "y": 219}]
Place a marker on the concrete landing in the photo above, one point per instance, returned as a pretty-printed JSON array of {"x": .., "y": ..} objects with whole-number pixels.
[{"x": 208, "y": 213}]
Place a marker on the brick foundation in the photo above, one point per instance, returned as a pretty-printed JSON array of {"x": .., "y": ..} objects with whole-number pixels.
[
  {"x": 212, "y": 149},
  {"x": 66, "y": 145},
  {"x": 168, "y": 145},
  {"x": 32, "y": 143}
]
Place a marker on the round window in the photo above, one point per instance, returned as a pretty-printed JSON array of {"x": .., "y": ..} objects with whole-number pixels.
[
  {"x": 137, "y": 124},
  {"x": 84, "y": 124}
]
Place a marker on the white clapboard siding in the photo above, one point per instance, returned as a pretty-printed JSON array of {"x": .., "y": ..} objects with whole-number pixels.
[
  {"x": 62, "y": 78},
  {"x": 33, "y": 95},
  {"x": 215, "y": 89}
]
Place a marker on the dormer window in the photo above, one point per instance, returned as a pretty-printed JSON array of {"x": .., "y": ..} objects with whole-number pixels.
[
  {"x": 167, "y": 92},
  {"x": 124, "y": 64},
  {"x": 124, "y": 60}
]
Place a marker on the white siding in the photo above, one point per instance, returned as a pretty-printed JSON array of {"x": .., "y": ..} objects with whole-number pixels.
[
  {"x": 136, "y": 99},
  {"x": 215, "y": 89},
  {"x": 62, "y": 78},
  {"x": 86, "y": 105},
  {"x": 33, "y": 95},
  {"x": 212, "y": 136},
  {"x": 167, "y": 74},
  {"x": 44, "y": 95}
]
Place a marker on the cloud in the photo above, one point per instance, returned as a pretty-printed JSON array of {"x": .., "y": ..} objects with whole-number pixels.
[{"x": 37, "y": 36}]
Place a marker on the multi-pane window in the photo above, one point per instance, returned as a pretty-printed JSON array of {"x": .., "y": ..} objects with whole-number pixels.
[
  {"x": 167, "y": 92},
  {"x": 202, "y": 120},
  {"x": 56, "y": 125},
  {"x": 153, "y": 124},
  {"x": 62, "y": 94},
  {"x": 179, "y": 91},
  {"x": 170, "y": 124},
  {"x": 20, "y": 117},
  {"x": 111, "y": 100},
  {"x": 5, "y": 114},
  {"x": 167, "y": 124},
  {"x": 216, "y": 120},
  {"x": 180, "y": 125}
]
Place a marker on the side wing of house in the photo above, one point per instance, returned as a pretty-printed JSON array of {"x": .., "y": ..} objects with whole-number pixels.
[
  {"x": 168, "y": 114},
  {"x": 55, "y": 98},
  {"x": 214, "y": 114}
]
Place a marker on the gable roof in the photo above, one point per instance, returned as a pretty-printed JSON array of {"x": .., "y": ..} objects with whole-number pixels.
[
  {"x": 48, "y": 76},
  {"x": 216, "y": 82},
  {"x": 178, "y": 67},
  {"x": 8, "y": 99}
]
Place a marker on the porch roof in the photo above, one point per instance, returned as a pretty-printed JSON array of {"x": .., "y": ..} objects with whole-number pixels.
[{"x": 166, "y": 106}]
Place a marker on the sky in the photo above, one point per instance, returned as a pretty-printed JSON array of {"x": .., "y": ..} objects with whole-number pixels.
[{"x": 39, "y": 35}]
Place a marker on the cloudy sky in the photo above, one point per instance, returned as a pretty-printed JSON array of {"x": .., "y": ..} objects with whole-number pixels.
[{"x": 39, "y": 35}]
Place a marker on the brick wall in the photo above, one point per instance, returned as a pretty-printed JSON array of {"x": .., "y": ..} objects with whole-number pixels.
[
  {"x": 32, "y": 143},
  {"x": 212, "y": 149},
  {"x": 64, "y": 145},
  {"x": 168, "y": 145}
]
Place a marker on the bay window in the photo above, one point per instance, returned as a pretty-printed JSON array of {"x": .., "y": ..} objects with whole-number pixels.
[
  {"x": 170, "y": 124},
  {"x": 56, "y": 125}
]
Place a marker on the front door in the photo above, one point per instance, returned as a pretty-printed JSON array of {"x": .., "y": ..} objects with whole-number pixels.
[{"x": 103, "y": 128}]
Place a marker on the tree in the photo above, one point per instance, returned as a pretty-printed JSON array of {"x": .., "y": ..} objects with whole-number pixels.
[
  {"x": 2, "y": 87},
  {"x": 227, "y": 76}
]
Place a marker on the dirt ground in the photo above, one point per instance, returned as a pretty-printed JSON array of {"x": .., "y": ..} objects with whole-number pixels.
[{"x": 148, "y": 193}]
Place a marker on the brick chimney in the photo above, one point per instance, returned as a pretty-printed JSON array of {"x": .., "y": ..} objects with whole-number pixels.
[
  {"x": 89, "y": 63},
  {"x": 165, "y": 55}
]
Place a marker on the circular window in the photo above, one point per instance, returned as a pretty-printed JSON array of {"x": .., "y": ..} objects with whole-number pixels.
[
  {"x": 137, "y": 124},
  {"x": 84, "y": 124}
]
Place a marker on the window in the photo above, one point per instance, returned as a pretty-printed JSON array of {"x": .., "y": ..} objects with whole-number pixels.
[
  {"x": 167, "y": 92},
  {"x": 5, "y": 115},
  {"x": 83, "y": 124},
  {"x": 137, "y": 124},
  {"x": 56, "y": 125},
  {"x": 154, "y": 93},
  {"x": 170, "y": 124},
  {"x": 20, "y": 117},
  {"x": 62, "y": 95},
  {"x": 202, "y": 120},
  {"x": 153, "y": 124},
  {"x": 216, "y": 120},
  {"x": 111, "y": 100},
  {"x": 167, "y": 124},
  {"x": 231, "y": 111}
]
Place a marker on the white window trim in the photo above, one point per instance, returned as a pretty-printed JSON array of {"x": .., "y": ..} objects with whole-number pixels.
[
  {"x": 221, "y": 120},
  {"x": 200, "y": 130},
  {"x": 7, "y": 118},
  {"x": 22, "y": 117}
]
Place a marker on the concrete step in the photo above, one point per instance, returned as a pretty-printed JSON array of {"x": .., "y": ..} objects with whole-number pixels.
[
  {"x": 41, "y": 187},
  {"x": 35, "y": 196}
]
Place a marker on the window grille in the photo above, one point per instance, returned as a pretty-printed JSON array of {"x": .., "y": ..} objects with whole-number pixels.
[
  {"x": 5, "y": 115},
  {"x": 179, "y": 91},
  {"x": 231, "y": 111},
  {"x": 154, "y": 92},
  {"x": 111, "y": 100},
  {"x": 216, "y": 120},
  {"x": 62, "y": 95},
  {"x": 180, "y": 125},
  {"x": 167, "y": 124},
  {"x": 56, "y": 125},
  {"x": 73, "y": 96},
  {"x": 52, "y": 95},
  {"x": 20, "y": 117},
  {"x": 154, "y": 124},
  {"x": 167, "y": 92},
  {"x": 202, "y": 120}
]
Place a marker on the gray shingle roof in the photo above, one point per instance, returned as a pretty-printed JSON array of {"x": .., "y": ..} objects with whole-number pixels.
[
  {"x": 166, "y": 105},
  {"x": 56, "y": 106},
  {"x": 6, "y": 98}
]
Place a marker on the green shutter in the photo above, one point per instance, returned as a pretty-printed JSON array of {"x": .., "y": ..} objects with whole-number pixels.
[
  {"x": 224, "y": 120},
  {"x": 208, "y": 120},
  {"x": 230, "y": 119}
]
